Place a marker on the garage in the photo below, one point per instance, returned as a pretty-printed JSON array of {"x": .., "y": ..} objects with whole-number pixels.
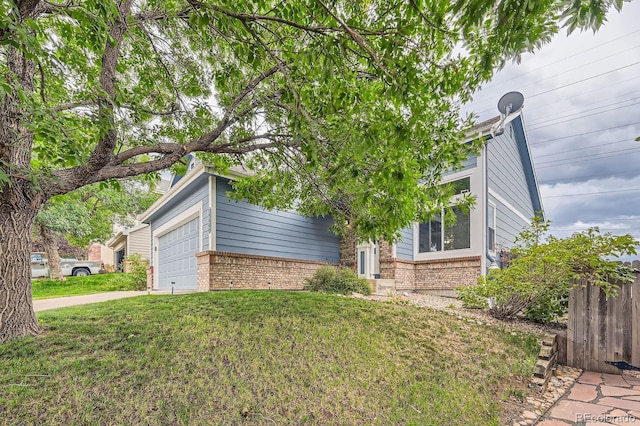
[{"x": 177, "y": 257}]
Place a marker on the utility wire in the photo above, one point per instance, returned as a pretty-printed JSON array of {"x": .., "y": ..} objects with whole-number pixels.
[
  {"x": 608, "y": 220},
  {"x": 599, "y": 155},
  {"x": 553, "y": 117},
  {"x": 585, "y": 133},
  {"x": 537, "y": 82},
  {"x": 592, "y": 176},
  {"x": 579, "y": 230},
  {"x": 592, "y": 193},
  {"x": 571, "y": 161},
  {"x": 561, "y": 60},
  {"x": 583, "y": 80},
  {"x": 534, "y": 128},
  {"x": 583, "y": 148},
  {"x": 582, "y": 93}
]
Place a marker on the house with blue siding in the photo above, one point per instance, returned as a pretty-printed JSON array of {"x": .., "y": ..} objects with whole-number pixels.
[
  {"x": 200, "y": 239},
  {"x": 437, "y": 257}
]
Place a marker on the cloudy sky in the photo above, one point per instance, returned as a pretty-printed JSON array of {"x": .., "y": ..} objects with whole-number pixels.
[{"x": 582, "y": 114}]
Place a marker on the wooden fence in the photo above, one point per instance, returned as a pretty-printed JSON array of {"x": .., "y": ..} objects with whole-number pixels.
[{"x": 602, "y": 328}]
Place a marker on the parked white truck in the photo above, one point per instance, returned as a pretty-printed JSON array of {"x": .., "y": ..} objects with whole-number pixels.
[{"x": 75, "y": 267}]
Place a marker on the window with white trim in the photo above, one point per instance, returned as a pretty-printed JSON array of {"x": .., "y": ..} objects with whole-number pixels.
[
  {"x": 491, "y": 225},
  {"x": 438, "y": 235}
]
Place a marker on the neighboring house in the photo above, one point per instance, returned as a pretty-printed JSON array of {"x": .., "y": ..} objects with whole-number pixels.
[
  {"x": 202, "y": 240},
  {"x": 130, "y": 241},
  {"x": 102, "y": 253},
  {"x": 437, "y": 258}
]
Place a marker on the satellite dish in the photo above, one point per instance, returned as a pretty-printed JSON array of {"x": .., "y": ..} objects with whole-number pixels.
[{"x": 510, "y": 103}]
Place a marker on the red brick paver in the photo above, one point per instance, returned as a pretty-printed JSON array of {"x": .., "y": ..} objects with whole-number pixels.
[
  {"x": 597, "y": 399},
  {"x": 614, "y": 380},
  {"x": 618, "y": 391},
  {"x": 582, "y": 392},
  {"x": 632, "y": 381},
  {"x": 553, "y": 423},
  {"x": 590, "y": 378},
  {"x": 570, "y": 410},
  {"x": 620, "y": 403}
]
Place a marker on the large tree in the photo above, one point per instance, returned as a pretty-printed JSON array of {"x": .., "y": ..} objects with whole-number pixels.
[{"x": 103, "y": 89}]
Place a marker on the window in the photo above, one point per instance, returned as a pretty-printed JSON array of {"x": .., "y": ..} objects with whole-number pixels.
[
  {"x": 460, "y": 186},
  {"x": 491, "y": 223},
  {"x": 430, "y": 235},
  {"x": 436, "y": 235}
]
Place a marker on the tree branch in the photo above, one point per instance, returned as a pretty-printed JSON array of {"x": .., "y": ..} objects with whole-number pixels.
[
  {"x": 73, "y": 178},
  {"x": 206, "y": 139},
  {"x": 359, "y": 40},
  {"x": 103, "y": 151},
  {"x": 161, "y": 148},
  {"x": 73, "y": 105}
]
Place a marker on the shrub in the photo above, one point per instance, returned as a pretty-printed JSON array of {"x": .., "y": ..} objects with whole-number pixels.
[
  {"x": 543, "y": 271},
  {"x": 121, "y": 282},
  {"x": 472, "y": 298},
  {"x": 332, "y": 280},
  {"x": 138, "y": 271}
]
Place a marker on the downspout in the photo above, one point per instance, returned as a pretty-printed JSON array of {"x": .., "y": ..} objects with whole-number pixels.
[{"x": 485, "y": 208}]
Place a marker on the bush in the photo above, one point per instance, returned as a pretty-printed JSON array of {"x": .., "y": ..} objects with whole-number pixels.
[
  {"x": 543, "y": 271},
  {"x": 122, "y": 282},
  {"x": 332, "y": 280},
  {"x": 472, "y": 298},
  {"x": 137, "y": 271}
]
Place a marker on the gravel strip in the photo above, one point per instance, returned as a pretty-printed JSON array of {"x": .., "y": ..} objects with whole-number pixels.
[{"x": 454, "y": 307}]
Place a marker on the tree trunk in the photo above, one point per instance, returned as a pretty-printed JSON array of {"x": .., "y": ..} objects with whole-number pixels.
[
  {"x": 348, "y": 249},
  {"x": 20, "y": 200},
  {"x": 50, "y": 243},
  {"x": 17, "y": 215}
]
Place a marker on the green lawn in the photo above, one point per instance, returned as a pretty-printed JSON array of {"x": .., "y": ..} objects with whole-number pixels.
[
  {"x": 76, "y": 286},
  {"x": 259, "y": 358}
]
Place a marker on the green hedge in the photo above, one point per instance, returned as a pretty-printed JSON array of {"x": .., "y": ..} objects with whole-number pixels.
[{"x": 332, "y": 280}]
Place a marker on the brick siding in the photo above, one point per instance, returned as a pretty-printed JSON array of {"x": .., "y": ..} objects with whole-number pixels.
[
  {"x": 218, "y": 270},
  {"x": 405, "y": 275},
  {"x": 446, "y": 274}
]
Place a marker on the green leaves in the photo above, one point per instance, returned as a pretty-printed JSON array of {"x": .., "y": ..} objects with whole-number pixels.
[
  {"x": 544, "y": 269},
  {"x": 88, "y": 214},
  {"x": 360, "y": 120}
]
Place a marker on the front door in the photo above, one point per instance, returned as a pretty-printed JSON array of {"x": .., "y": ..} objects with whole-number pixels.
[{"x": 368, "y": 260}]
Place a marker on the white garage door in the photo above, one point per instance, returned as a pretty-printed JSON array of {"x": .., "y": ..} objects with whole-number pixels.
[{"x": 177, "y": 257}]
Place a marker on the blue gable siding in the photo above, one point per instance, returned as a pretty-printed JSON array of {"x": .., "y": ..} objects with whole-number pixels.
[
  {"x": 506, "y": 175},
  {"x": 467, "y": 164},
  {"x": 197, "y": 192},
  {"x": 508, "y": 224},
  {"x": 525, "y": 155},
  {"x": 245, "y": 228},
  {"x": 404, "y": 247}
]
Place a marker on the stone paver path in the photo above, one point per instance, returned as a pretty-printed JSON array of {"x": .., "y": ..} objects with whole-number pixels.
[{"x": 597, "y": 399}]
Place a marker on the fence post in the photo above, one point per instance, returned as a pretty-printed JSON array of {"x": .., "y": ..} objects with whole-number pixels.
[
  {"x": 635, "y": 327},
  {"x": 602, "y": 328}
]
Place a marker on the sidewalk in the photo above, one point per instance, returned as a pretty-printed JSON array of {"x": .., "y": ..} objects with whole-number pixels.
[
  {"x": 62, "y": 302},
  {"x": 597, "y": 399}
]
